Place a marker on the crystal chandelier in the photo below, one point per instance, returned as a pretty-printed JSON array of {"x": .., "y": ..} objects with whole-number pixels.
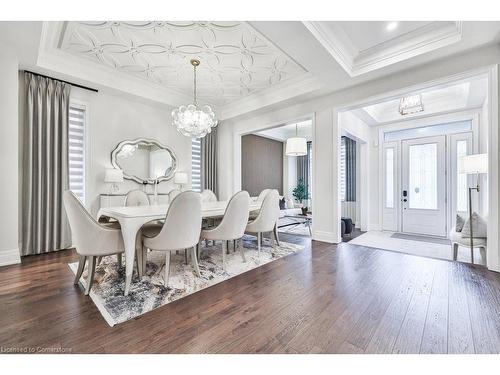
[
  {"x": 192, "y": 120},
  {"x": 411, "y": 104}
]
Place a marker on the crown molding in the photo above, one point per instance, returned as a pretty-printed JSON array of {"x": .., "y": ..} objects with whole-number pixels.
[
  {"x": 283, "y": 91},
  {"x": 417, "y": 42}
]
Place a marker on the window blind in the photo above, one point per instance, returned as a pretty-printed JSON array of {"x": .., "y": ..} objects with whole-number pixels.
[
  {"x": 76, "y": 151},
  {"x": 196, "y": 164},
  {"x": 342, "y": 168}
]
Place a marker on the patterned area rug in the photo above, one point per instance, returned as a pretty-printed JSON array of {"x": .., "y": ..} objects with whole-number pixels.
[{"x": 150, "y": 293}]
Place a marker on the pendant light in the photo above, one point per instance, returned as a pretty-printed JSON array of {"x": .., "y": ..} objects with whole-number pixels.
[
  {"x": 296, "y": 146},
  {"x": 192, "y": 120}
]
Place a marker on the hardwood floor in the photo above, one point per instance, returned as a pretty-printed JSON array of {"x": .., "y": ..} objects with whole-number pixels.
[{"x": 325, "y": 299}]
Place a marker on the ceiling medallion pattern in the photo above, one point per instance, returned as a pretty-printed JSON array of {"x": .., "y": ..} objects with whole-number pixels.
[{"x": 237, "y": 60}]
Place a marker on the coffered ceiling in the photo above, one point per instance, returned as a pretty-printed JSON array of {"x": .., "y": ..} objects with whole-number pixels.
[
  {"x": 235, "y": 59},
  {"x": 246, "y": 67},
  {"x": 463, "y": 95}
]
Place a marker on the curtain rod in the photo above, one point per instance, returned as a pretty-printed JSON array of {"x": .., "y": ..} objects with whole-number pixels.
[{"x": 60, "y": 80}]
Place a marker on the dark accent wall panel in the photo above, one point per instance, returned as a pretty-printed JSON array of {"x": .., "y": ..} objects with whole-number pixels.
[{"x": 261, "y": 164}]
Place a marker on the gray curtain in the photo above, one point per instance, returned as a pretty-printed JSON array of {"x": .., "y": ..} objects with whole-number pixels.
[
  {"x": 45, "y": 165},
  {"x": 350, "y": 170},
  {"x": 303, "y": 167},
  {"x": 209, "y": 162}
]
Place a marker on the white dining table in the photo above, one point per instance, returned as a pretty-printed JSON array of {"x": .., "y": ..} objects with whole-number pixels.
[{"x": 131, "y": 220}]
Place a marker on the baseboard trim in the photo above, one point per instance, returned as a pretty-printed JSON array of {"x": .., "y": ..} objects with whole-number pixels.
[
  {"x": 8, "y": 257},
  {"x": 322, "y": 236}
]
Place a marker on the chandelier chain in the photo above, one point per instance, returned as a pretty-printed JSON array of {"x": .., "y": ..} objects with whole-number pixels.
[{"x": 194, "y": 86}]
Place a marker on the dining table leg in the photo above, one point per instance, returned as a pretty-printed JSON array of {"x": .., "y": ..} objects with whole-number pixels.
[{"x": 130, "y": 227}]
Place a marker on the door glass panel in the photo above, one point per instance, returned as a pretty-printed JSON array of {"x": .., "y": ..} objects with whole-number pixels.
[
  {"x": 423, "y": 176},
  {"x": 389, "y": 178},
  {"x": 461, "y": 179}
]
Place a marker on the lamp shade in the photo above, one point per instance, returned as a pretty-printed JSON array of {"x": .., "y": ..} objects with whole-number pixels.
[
  {"x": 113, "y": 175},
  {"x": 181, "y": 178},
  {"x": 296, "y": 146},
  {"x": 472, "y": 164}
]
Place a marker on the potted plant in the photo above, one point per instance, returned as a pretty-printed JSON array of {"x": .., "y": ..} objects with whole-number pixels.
[{"x": 300, "y": 193}]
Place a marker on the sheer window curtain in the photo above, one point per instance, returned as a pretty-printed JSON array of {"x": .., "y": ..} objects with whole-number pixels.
[
  {"x": 209, "y": 162},
  {"x": 45, "y": 165}
]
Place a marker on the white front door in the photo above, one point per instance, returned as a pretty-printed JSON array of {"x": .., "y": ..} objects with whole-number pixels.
[{"x": 423, "y": 186}]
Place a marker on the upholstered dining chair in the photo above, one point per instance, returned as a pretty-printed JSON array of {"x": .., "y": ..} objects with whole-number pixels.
[
  {"x": 260, "y": 198},
  {"x": 266, "y": 219},
  {"x": 208, "y": 195},
  {"x": 136, "y": 198},
  {"x": 181, "y": 230},
  {"x": 232, "y": 225},
  {"x": 172, "y": 194},
  {"x": 90, "y": 239}
]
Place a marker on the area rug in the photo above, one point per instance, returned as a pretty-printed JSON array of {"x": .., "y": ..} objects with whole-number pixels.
[
  {"x": 431, "y": 249},
  {"x": 150, "y": 293}
]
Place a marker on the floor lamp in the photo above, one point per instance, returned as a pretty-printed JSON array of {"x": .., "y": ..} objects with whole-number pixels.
[{"x": 473, "y": 164}]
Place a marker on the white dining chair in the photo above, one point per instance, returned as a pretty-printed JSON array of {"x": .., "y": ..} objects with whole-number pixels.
[
  {"x": 181, "y": 230},
  {"x": 232, "y": 225},
  {"x": 263, "y": 194},
  {"x": 265, "y": 222},
  {"x": 172, "y": 194},
  {"x": 208, "y": 195},
  {"x": 90, "y": 239},
  {"x": 136, "y": 198}
]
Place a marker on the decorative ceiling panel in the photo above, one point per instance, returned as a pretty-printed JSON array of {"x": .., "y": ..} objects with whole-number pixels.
[{"x": 236, "y": 60}]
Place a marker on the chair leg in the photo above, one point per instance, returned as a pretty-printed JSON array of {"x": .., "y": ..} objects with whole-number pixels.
[
  {"x": 81, "y": 267},
  {"x": 185, "y": 257},
  {"x": 224, "y": 249},
  {"x": 227, "y": 247},
  {"x": 198, "y": 251},
  {"x": 167, "y": 268},
  {"x": 119, "y": 259},
  {"x": 195, "y": 261},
  {"x": 482, "y": 251},
  {"x": 455, "y": 251},
  {"x": 138, "y": 260},
  {"x": 242, "y": 250},
  {"x": 144, "y": 259},
  {"x": 99, "y": 259},
  {"x": 259, "y": 239},
  {"x": 275, "y": 232},
  {"x": 472, "y": 256},
  {"x": 90, "y": 278}
]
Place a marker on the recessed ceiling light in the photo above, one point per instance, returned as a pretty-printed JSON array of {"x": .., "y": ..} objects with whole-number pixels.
[{"x": 391, "y": 26}]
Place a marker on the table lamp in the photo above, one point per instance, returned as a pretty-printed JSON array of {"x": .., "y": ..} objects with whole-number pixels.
[
  {"x": 180, "y": 178},
  {"x": 473, "y": 164},
  {"x": 113, "y": 176}
]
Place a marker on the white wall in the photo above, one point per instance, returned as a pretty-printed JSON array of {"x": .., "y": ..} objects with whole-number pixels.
[
  {"x": 113, "y": 119},
  {"x": 326, "y": 157},
  {"x": 9, "y": 246}
]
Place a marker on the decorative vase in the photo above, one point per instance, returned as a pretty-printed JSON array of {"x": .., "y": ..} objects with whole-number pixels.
[{"x": 304, "y": 210}]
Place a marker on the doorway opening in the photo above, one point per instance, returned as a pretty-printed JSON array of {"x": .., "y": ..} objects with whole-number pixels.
[{"x": 417, "y": 140}]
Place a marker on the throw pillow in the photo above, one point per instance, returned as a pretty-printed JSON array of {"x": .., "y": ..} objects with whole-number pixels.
[
  {"x": 290, "y": 203},
  {"x": 459, "y": 224},
  {"x": 282, "y": 203},
  {"x": 479, "y": 227}
]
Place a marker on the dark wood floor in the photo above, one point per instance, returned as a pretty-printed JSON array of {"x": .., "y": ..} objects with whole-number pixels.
[{"x": 325, "y": 299}]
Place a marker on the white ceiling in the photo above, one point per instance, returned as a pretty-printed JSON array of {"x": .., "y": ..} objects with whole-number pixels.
[
  {"x": 235, "y": 59},
  {"x": 459, "y": 96},
  {"x": 282, "y": 133},
  {"x": 247, "y": 67},
  {"x": 367, "y": 34}
]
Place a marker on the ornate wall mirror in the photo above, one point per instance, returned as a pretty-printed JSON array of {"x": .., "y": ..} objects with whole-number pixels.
[{"x": 144, "y": 160}]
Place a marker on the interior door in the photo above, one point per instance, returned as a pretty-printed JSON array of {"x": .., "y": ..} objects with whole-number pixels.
[{"x": 423, "y": 186}]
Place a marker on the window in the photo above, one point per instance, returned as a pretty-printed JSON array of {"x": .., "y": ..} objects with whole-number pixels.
[
  {"x": 342, "y": 169},
  {"x": 423, "y": 187},
  {"x": 461, "y": 179},
  {"x": 389, "y": 177},
  {"x": 196, "y": 164},
  {"x": 76, "y": 150}
]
